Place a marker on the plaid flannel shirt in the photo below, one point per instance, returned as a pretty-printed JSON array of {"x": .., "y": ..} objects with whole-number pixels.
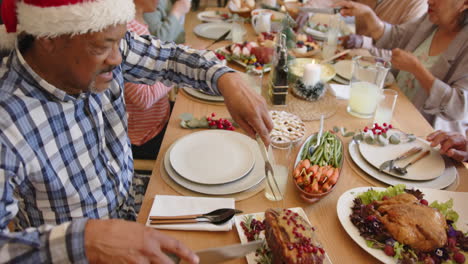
[{"x": 64, "y": 159}]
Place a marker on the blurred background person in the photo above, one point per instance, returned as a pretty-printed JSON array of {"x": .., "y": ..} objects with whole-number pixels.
[
  {"x": 167, "y": 21},
  {"x": 148, "y": 108},
  {"x": 431, "y": 55},
  {"x": 391, "y": 11},
  {"x": 453, "y": 145}
]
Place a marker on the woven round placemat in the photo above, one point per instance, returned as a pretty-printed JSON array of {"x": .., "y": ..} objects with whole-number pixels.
[{"x": 307, "y": 110}]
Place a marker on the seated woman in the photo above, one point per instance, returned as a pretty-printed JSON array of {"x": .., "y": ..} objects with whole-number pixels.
[
  {"x": 148, "y": 106},
  {"x": 431, "y": 54}
]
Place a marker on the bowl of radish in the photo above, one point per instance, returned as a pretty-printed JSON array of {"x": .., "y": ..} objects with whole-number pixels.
[{"x": 317, "y": 170}]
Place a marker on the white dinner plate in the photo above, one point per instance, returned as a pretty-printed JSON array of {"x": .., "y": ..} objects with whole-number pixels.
[
  {"x": 203, "y": 96},
  {"x": 212, "y": 16},
  {"x": 250, "y": 180},
  {"x": 345, "y": 202},
  {"x": 344, "y": 69},
  {"x": 447, "y": 178},
  {"x": 260, "y": 217},
  {"x": 317, "y": 35},
  {"x": 213, "y": 30},
  {"x": 428, "y": 168},
  {"x": 212, "y": 157}
]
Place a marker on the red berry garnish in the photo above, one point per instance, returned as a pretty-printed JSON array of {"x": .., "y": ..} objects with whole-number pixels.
[
  {"x": 384, "y": 124},
  {"x": 390, "y": 126},
  {"x": 459, "y": 258},
  {"x": 213, "y": 114},
  {"x": 385, "y": 198},
  {"x": 424, "y": 201},
  {"x": 389, "y": 251},
  {"x": 208, "y": 119},
  {"x": 371, "y": 218}
]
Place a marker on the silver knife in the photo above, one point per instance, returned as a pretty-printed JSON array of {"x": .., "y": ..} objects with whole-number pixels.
[
  {"x": 320, "y": 10},
  {"x": 221, "y": 38},
  {"x": 222, "y": 254}
]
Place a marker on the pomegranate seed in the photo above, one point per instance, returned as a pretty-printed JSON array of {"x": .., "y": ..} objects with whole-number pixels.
[
  {"x": 365, "y": 130},
  {"x": 459, "y": 257},
  {"x": 376, "y": 125},
  {"x": 208, "y": 119},
  {"x": 213, "y": 114},
  {"x": 424, "y": 201},
  {"x": 384, "y": 124},
  {"x": 212, "y": 123},
  {"x": 389, "y": 251},
  {"x": 390, "y": 126}
]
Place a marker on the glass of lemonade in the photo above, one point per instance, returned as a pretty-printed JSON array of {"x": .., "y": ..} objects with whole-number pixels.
[
  {"x": 367, "y": 81},
  {"x": 279, "y": 154},
  {"x": 237, "y": 29},
  {"x": 385, "y": 107}
]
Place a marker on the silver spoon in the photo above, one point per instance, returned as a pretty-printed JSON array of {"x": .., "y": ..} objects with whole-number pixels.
[
  {"x": 403, "y": 171},
  {"x": 219, "y": 216},
  {"x": 317, "y": 143}
]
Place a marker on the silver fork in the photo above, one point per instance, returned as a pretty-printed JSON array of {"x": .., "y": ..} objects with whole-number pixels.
[{"x": 270, "y": 175}]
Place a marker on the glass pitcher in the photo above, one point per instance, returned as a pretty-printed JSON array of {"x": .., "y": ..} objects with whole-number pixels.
[{"x": 368, "y": 77}]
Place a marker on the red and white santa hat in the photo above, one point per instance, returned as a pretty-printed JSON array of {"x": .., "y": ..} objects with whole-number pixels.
[{"x": 52, "y": 18}]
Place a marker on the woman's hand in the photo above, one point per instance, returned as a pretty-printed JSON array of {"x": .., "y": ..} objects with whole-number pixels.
[
  {"x": 181, "y": 8},
  {"x": 367, "y": 22},
  {"x": 404, "y": 60},
  {"x": 352, "y": 41},
  {"x": 452, "y": 144}
]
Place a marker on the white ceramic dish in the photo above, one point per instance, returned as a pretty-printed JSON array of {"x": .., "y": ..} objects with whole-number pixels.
[
  {"x": 212, "y": 16},
  {"x": 447, "y": 178},
  {"x": 345, "y": 203},
  {"x": 250, "y": 180},
  {"x": 199, "y": 95},
  {"x": 425, "y": 169},
  {"x": 211, "y": 157},
  {"x": 213, "y": 30},
  {"x": 344, "y": 69},
  {"x": 260, "y": 217}
]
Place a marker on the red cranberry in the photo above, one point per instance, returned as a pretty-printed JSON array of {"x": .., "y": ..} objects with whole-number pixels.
[
  {"x": 385, "y": 198},
  {"x": 389, "y": 251},
  {"x": 424, "y": 201},
  {"x": 390, "y": 126},
  {"x": 459, "y": 258},
  {"x": 371, "y": 218}
]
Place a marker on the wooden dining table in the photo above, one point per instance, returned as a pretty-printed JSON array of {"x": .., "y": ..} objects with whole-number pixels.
[{"x": 323, "y": 214}]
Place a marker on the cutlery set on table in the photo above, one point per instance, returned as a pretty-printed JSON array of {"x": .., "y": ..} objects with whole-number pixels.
[{"x": 414, "y": 163}]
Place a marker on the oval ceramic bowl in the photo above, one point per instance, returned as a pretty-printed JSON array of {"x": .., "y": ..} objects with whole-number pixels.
[{"x": 315, "y": 197}]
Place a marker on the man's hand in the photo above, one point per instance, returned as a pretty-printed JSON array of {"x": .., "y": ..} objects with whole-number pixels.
[
  {"x": 119, "y": 241},
  {"x": 404, "y": 60},
  {"x": 452, "y": 144},
  {"x": 351, "y": 8},
  {"x": 181, "y": 8},
  {"x": 352, "y": 41},
  {"x": 246, "y": 107}
]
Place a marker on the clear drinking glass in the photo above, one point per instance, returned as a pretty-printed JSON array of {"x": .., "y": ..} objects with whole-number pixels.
[
  {"x": 237, "y": 30},
  {"x": 367, "y": 81},
  {"x": 279, "y": 154},
  {"x": 331, "y": 41},
  {"x": 384, "y": 111},
  {"x": 255, "y": 80}
]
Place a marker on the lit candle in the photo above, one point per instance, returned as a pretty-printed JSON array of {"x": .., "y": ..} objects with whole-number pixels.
[{"x": 312, "y": 73}]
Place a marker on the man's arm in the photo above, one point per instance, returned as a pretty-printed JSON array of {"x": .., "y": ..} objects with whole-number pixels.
[
  {"x": 78, "y": 241},
  {"x": 147, "y": 59},
  {"x": 59, "y": 244}
]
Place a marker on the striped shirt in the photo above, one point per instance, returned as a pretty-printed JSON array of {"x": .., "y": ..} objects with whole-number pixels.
[
  {"x": 65, "y": 159},
  {"x": 147, "y": 105}
]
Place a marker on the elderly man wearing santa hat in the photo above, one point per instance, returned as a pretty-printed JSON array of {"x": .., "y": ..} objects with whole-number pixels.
[{"x": 65, "y": 158}]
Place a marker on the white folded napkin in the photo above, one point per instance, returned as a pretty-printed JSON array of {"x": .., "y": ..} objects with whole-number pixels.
[
  {"x": 340, "y": 91},
  {"x": 171, "y": 205}
]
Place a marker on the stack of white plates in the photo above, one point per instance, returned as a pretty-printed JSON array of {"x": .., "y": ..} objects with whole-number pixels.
[
  {"x": 203, "y": 96},
  {"x": 215, "y": 162},
  {"x": 430, "y": 172},
  {"x": 343, "y": 69}
]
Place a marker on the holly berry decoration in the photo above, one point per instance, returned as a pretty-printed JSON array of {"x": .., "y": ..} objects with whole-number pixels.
[{"x": 209, "y": 121}]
